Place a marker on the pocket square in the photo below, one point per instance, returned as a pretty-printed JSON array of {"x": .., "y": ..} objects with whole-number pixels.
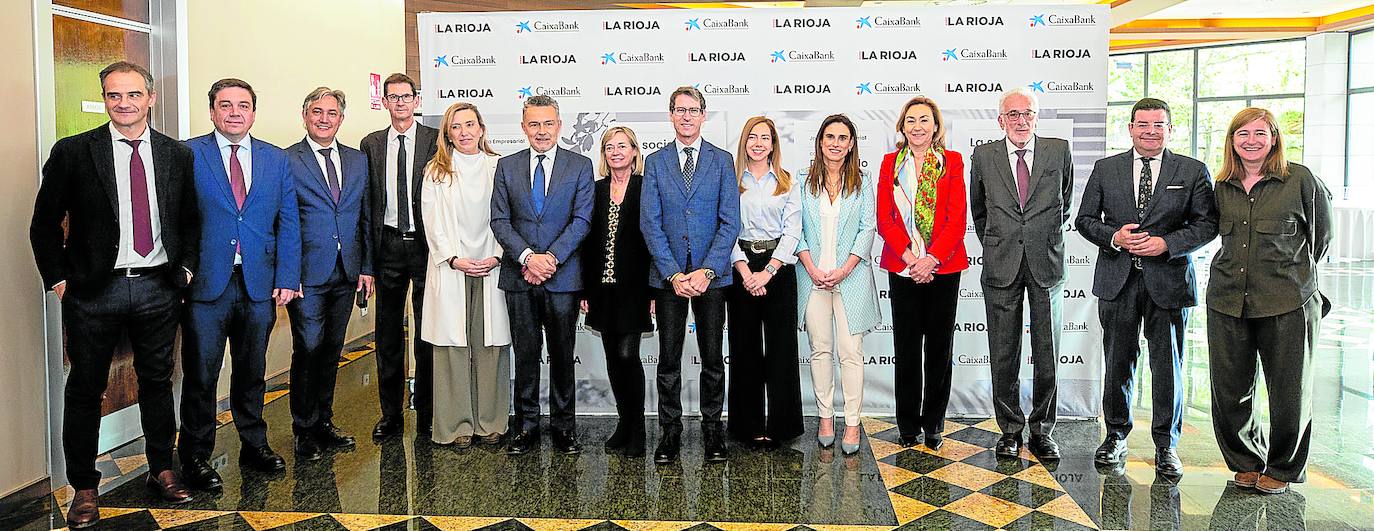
[{"x": 1174, "y": 187}]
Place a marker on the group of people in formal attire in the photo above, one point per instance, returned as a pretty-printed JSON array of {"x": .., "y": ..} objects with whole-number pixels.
[{"x": 138, "y": 233}]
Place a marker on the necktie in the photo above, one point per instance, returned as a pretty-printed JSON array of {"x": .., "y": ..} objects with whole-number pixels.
[
  {"x": 331, "y": 173},
  {"x": 537, "y": 191},
  {"x": 1022, "y": 176},
  {"x": 402, "y": 187},
  {"x": 1143, "y": 197},
  {"x": 138, "y": 191},
  {"x": 689, "y": 167},
  {"x": 236, "y": 181}
]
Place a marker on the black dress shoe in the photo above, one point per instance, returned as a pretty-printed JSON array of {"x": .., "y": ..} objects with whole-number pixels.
[
  {"x": 331, "y": 438},
  {"x": 307, "y": 449},
  {"x": 1111, "y": 451},
  {"x": 262, "y": 459},
  {"x": 907, "y": 441},
  {"x": 522, "y": 443},
  {"x": 388, "y": 427},
  {"x": 168, "y": 486},
  {"x": 714, "y": 445},
  {"x": 1167, "y": 463},
  {"x": 934, "y": 441},
  {"x": 618, "y": 438},
  {"x": 1043, "y": 447},
  {"x": 634, "y": 443},
  {"x": 197, "y": 473},
  {"x": 668, "y": 446},
  {"x": 1009, "y": 445},
  {"x": 85, "y": 510},
  {"x": 566, "y": 442}
]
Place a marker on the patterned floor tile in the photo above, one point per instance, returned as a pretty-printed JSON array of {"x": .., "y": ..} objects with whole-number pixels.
[
  {"x": 169, "y": 518},
  {"x": 872, "y": 425},
  {"x": 223, "y": 522},
  {"x": 919, "y": 462},
  {"x": 894, "y": 476},
  {"x": 362, "y": 522},
  {"x": 557, "y": 524},
  {"x": 953, "y": 450},
  {"x": 882, "y": 448},
  {"x": 461, "y": 523},
  {"x": 943, "y": 520},
  {"x": 992, "y": 511},
  {"x": 989, "y": 460},
  {"x": 126, "y": 519},
  {"x": 272, "y": 520},
  {"x": 1021, "y": 492},
  {"x": 909, "y": 509},
  {"x": 642, "y": 525},
  {"x": 932, "y": 491},
  {"x": 966, "y": 476},
  {"x": 1066, "y": 508},
  {"x": 1039, "y": 476},
  {"x": 1038, "y": 521},
  {"x": 976, "y": 437}
]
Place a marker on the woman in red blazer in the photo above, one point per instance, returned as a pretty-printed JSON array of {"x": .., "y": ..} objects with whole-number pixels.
[{"x": 922, "y": 214}]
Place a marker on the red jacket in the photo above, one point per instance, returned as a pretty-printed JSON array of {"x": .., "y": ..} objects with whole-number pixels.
[{"x": 951, "y": 217}]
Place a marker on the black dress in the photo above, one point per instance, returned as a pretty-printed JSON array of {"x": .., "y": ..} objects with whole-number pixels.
[{"x": 615, "y": 264}]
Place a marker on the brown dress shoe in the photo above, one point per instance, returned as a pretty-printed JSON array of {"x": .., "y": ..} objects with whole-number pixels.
[
  {"x": 85, "y": 510},
  {"x": 1247, "y": 479},
  {"x": 1270, "y": 485},
  {"x": 168, "y": 486}
]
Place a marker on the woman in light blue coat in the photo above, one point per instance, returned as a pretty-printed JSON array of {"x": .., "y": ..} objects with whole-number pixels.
[{"x": 837, "y": 300}]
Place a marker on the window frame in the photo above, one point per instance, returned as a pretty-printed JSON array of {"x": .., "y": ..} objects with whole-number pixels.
[{"x": 1350, "y": 92}]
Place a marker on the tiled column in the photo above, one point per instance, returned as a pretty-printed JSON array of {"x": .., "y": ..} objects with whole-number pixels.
[{"x": 1325, "y": 115}]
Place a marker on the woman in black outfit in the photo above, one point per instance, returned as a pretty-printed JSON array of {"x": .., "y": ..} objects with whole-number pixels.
[{"x": 615, "y": 295}]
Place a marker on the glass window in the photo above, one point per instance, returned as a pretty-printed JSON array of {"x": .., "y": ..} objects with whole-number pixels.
[
  {"x": 1289, "y": 111},
  {"x": 1126, "y": 78},
  {"x": 1362, "y": 60},
  {"x": 1360, "y": 172},
  {"x": 1213, "y": 118},
  {"x": 126, "y": 9},
  {"x": 1265, "y": 68},
  {"x": 1171, "y": 80},
  {"x": 80, "y": 50},
  {"x": 1118, "y": 138}
]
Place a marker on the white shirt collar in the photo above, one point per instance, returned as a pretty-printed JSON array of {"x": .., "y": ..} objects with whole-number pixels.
[
  {"x": 695, "y": 145},
  {"x": 761, "y": 178},
  {"x": 1030, "y": 146},
  {"x": 244, "y": 145},
  {"x": 392, "y": 133},
  {"x": 1135, "y": 155},
  {"x": 548, "y": 156},
  {"x": 146, "y": 137},
  {"x": 333, "y": 144}
]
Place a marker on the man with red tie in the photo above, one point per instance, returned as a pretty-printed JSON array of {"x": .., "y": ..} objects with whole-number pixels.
[{"x": 127, "y": 195}]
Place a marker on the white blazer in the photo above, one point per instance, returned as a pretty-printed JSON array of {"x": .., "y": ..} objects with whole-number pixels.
[{"x": 457, "y": 216}]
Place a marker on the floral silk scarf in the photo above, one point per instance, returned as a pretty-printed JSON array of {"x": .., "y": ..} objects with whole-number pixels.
[{"x": 923, "y": 206}]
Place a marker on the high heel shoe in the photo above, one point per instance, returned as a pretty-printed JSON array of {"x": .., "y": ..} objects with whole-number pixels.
[
  {"x": 826, "y": 441},
  {"x": 847, "y": 447}
]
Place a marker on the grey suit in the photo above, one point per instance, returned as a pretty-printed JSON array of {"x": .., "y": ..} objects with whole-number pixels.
[
  {"x": 1023, "y": 254},
  {"x": 1157, "y": 295}
]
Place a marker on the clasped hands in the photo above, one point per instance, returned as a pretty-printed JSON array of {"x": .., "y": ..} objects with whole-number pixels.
[
  {"x": 921, "y": 270},
  {"x": 828, "y": 279},
  {"x": 755, "y": 282},
  {"x": 691, "y": 284},
  {"x": 539, "y": 267},
  {"x": 474, "y": 267},
  {"x": 1138, "y": 243}
]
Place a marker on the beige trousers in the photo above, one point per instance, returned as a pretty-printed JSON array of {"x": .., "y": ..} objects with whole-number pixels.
[
  {"x": 823, "y": 310},
  {"x": 472, "y": 383}
]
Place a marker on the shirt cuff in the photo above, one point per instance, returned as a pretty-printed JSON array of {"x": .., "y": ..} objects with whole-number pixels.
[
  {"x": 525, "y": 255},
  {"x": 54, "y": 286}
]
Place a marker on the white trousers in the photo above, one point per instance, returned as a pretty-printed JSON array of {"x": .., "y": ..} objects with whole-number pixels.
[{"x": 824, "y": 321}]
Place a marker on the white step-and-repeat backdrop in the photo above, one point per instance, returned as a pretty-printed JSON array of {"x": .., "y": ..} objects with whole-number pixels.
[{"x": 796, "y": 66}]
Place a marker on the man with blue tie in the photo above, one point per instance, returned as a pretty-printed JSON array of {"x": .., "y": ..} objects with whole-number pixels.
[
  {"x": 250, "y": 257},
  {"x": 689, "y": 213},
  {"x": 541, "y": 209},
  {"x": 336, "y": 264}
]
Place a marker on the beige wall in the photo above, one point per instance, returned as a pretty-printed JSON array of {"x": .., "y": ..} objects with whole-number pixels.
[{"x": 23, "y": 381}]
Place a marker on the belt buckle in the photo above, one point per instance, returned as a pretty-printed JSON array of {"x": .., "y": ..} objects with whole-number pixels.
[
  {"x": 1136, "y": 262},
  {"x": 129, "y": 272},
  {"x": 407, "y": 237},
  {"x": 755, "y": 248}
]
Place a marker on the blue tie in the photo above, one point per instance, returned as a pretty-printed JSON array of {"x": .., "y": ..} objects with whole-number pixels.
[{"x": 537, "y": 193}]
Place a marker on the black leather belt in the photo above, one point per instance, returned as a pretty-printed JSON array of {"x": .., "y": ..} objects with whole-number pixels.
[
  {"x": 758, "y": 246},
  {"x": 135, "y": 272},
  {"x": 407, "y": 236}
]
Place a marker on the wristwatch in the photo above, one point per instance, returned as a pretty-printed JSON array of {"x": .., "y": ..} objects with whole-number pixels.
[
  {"x": 710, "y": 274},
  {"x": 770, "y": 269}
]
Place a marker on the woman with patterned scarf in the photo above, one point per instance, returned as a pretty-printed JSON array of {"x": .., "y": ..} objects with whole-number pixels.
[{"x": 922, "y": 213}]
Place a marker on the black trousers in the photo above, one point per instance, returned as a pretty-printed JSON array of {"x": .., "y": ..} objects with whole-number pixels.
[
  {"x": 709, "y": 310},
  {"x": 147, "y": 308},
  {"x": 765, "y": 387},
  {"x": 319, "y": 323},
  {"x": 923, "y": 345},
  {"x": 535, "y": 314},
  {"x": 1004, "y": 306},
  {"x": 626, "y": 374},
  {"x": 402, "y": 266},
  {"x": 246, "y": 324},
  {"x": 1122, "y": 319}
]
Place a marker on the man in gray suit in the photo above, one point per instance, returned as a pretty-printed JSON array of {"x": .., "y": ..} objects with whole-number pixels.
[
  {"x": 1146, "y": 210},
  {"x": 1019, "y": 193}
]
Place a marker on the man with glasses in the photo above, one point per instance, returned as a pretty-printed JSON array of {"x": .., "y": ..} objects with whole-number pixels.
[
  {"x": 689, "y": 213},
  {"x": 541, "y": 209},
  {"x": 396, "y": 164},
  {"x": 1019, "y": 193},
  {"x": 1146, "y": 210}
]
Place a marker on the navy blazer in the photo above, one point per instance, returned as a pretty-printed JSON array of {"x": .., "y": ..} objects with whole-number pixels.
[
  {"x": 267, "y": 230},
  {"x": 559, "y": 229},
  {"x": 332, "y": 231},
  {"x": 1182, "y": 211},
  {"x": 689, "y": 230}
]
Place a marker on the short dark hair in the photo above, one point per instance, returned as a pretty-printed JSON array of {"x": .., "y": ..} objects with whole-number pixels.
[
  {"x": 399, "y": 78},
  {"x": 125, "y": 66},
  {"x": 230, "y": 82},
  {"x": 1151, "y": 104},
  {"x": 687, "y": 90}
]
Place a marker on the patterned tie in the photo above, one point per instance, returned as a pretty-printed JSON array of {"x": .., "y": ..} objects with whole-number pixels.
[
  {"x": 236, "y": 181},
  {"x": 689, "y": 167},
  {"x": 332, "y": 173},
  {"x": 537, "y": 190},
  {"x": 402, "y": 187},
  {"x": 1022, "y": 176},
  {"x": 1143, "y": 198},
  {"x": 138, "y": 190}
]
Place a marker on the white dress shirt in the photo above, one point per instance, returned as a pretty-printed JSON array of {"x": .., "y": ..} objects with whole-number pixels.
[
  {"x": 391, "y": 218},
  {"x": 1137, "y": 165},
  {"x": 548, "y": 177},
  {"x": 682, "y": 153},
  {"x": 123, "y": 153},
  {"x": 245, "y": 156},
  {"x": 1030, "y": 157},
  {"x": 333, "y": 148}
]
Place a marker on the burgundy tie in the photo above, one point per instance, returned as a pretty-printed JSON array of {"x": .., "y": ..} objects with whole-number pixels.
[
  {"x": 138, "y": 190},
  {"x": 236, "y": 176},
  {"x": 333, "y": 175},
  {"x": 1022, "y": 176}
]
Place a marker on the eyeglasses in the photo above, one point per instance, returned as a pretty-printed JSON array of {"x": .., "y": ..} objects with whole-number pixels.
[
  {"x": 689, "y": 111},
  {"x": 393, "y": 98},
  {"x": 1013, "y": 116},
  {"x": 1156, "y": 126}
]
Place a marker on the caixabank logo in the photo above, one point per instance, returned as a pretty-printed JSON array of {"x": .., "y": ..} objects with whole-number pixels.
[
  {"x": 882, "y": 22},
  {"x": 973, "y": 54},
  {"x": 548, "y": 59},
  {"x": 715, "y": 57},
  {"x": 975, "y": 21},
  {"x": 464, "y": 93},
  {"x": 801, "y": 56},
  {"x": 888, "y": 87},
  {"x": 1058, "y": 20},
  {"x": 715, "y": 24},
  {"x": 972, "y": 359},
  {"x": 632, "y": 58},
  {"x": 633, "y": 90},
  {"x": 464, "y": 27},
  {"x": 888, "y": 55},
  {"x": 455, "y": 60},
  {"x": 801, "y": 23},
  {"x": 559, "y": 92},
  {"x": 970, "y": 293},
  {"x": 1061, "y": 53},
  {"x": 728, "y": 89},
  {"x": 1061, "y": 87},
  {"x": 547, "y": 26},
  {"x": 630, "y": 25}
]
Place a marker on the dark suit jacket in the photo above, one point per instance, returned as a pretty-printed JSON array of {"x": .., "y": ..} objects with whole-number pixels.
[
  {"x": 79, "y": 185},
  {"x": 1182, "y": 210},
  {"x": 329, "y": 230},
  {"x": 374, "y": 146},
  {"x": 1009, "y": 232},
  {"x": 559, "y": 229}
]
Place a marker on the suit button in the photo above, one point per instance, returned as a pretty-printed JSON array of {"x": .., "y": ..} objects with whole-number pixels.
[
  {"x": 1019, "y": 241},
  {"x": 233, "y": 242},
  {"x": 240, "y": 218},
  {"x": 336, "y": 236}
]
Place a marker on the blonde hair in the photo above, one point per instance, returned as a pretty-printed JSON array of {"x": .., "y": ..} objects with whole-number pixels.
[
  {"x": 604, "y": 167},
  {"x": 774, "y": 158},
  {"x": 852, "y": 179},
  {"x": 1274, "y": 163},
  {"x": 441, "y": 166},
  {"x": 939, "y": 139}
]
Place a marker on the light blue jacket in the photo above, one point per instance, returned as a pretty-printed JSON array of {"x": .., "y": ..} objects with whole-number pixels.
[{"x": 853, "y": 235}]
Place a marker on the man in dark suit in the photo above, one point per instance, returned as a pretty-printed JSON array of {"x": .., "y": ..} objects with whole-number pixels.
[
  {"x": 127, "y": 194},
  {"x": 689, "y": 214},
  {"x": 1146, "y": 210},
  {"x": 1019, "y": 194},
  {"x": 336, "y": 263},
  {"x": 250, "y": 257},
  {"x": 541, "y": 209},
  {"x": 396, "y": 164}
]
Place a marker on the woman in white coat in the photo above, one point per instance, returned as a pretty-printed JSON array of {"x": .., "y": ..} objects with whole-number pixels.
[{"x": 465, "y": 313}]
